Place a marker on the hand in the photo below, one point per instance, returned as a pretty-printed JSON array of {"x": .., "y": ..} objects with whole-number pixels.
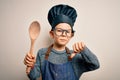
[
  {"x": 77, "y": 48},
  {"x": 29, "y": 60}
]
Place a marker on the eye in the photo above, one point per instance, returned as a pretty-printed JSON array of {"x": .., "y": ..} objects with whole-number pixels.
[
  {"x": 68, "y": 31},
  {"x": 59, "y": 30}
]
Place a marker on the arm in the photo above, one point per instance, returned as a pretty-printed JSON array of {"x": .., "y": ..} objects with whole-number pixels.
[
  {"x": 88, "y": 61},
  {"x": 35, "y": 71},
  {"x": 35, "y": 64}
]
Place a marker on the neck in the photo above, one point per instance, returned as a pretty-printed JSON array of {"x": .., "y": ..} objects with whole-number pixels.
[{"x": 58, "y": 47}]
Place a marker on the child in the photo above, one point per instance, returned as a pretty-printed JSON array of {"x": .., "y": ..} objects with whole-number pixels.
[{"x": 57, "y": 62}]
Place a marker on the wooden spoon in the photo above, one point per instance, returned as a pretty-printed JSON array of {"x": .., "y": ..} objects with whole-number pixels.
[{"x": 34, "y": 31}]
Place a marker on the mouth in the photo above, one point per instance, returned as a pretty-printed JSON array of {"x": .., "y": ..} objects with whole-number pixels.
[{"x": 63, "y": 40}]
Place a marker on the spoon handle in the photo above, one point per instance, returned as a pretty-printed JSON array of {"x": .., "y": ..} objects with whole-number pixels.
[
  {"x": 31, "y": 52},
  {"x": 32, "y": 46}
]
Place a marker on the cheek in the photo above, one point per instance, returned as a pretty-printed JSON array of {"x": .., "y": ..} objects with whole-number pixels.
[
  {"x": 68, "y": 39},
  {"x": 55, "y": 38}
]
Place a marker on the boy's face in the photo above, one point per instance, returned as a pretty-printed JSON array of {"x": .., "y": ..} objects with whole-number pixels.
[{"x": 61, "y": 34}]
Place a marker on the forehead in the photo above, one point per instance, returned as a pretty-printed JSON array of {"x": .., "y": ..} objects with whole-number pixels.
[{"x": 63, "y": 26}]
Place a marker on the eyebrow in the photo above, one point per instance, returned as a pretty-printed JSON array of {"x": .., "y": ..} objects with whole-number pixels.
[{"x": 63, "y": 29}]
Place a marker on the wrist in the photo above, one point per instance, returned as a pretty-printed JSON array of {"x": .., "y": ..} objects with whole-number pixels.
[{"x": 32, "y": 67}]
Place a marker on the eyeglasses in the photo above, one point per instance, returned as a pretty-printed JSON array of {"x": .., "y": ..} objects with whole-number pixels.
[{"x": 59, "y": 32}]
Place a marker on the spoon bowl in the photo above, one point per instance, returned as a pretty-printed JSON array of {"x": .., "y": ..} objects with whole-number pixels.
[{"x": 34, "y": 30}]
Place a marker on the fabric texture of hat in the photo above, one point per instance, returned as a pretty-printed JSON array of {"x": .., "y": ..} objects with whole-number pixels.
[{"x": 62, "y": 14}]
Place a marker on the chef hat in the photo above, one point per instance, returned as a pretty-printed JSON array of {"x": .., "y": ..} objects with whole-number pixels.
[{"x": 62, "y": 14}]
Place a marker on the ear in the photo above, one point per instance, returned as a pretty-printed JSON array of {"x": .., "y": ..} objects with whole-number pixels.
[
  {"x": 51, "y": 34},
  {"x": 72, "y": 35}
]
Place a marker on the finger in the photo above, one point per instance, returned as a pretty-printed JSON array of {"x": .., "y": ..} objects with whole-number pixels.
[
  {"x": 74, "y": 48},
  {"x": 29, "y": 62},
  {"x": 30, "y": 65},
  {"x": 83, "y": 45},
  {"x": 24, "y": 62},
  {"x": 77, "y": 47},
  {"x": 29, "y": 55},
  {"x": 27, "y": 58},
  {"x": 80, "y": 46},
  {"x": 30, "y": 59}
]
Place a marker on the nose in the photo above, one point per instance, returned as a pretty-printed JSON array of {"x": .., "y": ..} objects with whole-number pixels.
[{"x": 64, "y": 33}]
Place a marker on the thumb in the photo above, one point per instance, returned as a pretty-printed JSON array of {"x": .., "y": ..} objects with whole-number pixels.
[
  {"x": 33, "y": 56},
  {"x": 73, "y": 54}
]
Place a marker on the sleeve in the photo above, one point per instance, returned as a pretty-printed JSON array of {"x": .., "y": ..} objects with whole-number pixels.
[
  {"x": 89, "y": 60},
  {"x": 36, "y": 71}
]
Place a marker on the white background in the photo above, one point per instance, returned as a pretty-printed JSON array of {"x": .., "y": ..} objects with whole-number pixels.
[{"x": 97, "y": 25}]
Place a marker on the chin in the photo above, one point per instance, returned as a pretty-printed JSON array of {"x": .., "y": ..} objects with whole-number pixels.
[{"x": 62, "y": 44}]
